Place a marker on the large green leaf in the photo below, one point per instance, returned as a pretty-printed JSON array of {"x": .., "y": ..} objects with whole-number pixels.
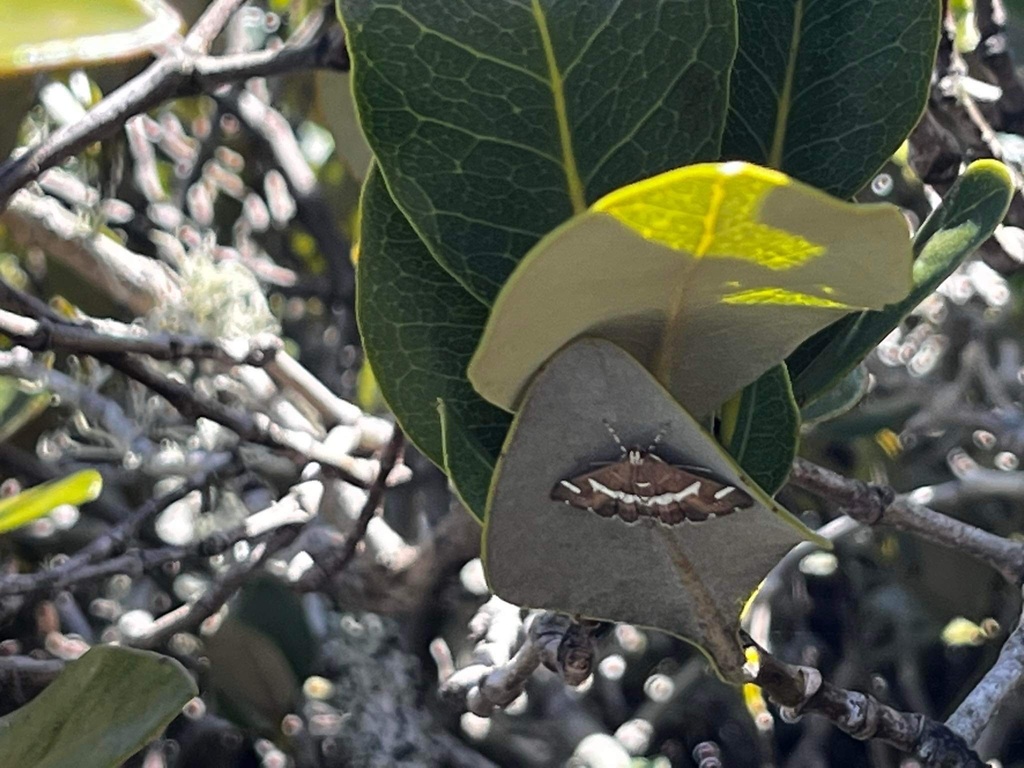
[
  {"x": 494, "y": 122},
  {"x": 419, "y": 329},
  {"x": 102, "y": 709},
  {"x": 690, "y": 579},
  {"x": 826, "y": 90},
  {"x": 761, "y": 427},
  {"x": 967, "y": 216},
  {"x": 730, "y": 267}
]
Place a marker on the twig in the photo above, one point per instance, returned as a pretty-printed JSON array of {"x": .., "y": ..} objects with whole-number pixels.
[
  {"x": 43, "y": 334},
  {"x": 109, "y": 543},
  {"x": 873, "y": 504},
  {"x": 133, "y": 280},
  {"x": 334, "y": 561},
  {"x": 801, "y": 690},
  {"x": 191, "y": 615},
  {"x": 185, "y": 70},
  {"x": 980, "y": 707}
]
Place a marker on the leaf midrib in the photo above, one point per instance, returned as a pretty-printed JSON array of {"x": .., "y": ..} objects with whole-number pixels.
[
  {"x": 572, "y": 175},
  {"x": 775, "y": 157}
]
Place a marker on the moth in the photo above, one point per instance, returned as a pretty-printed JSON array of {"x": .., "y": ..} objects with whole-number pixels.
[{"x": 642, "y": 484}]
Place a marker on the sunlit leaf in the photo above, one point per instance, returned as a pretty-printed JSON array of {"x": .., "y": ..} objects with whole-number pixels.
[
  {"x": 709, "y": 275},
  {"x": 494, "y": 122},
  {"x": 36, "y": 502},
  {"x": 102, "y": 709},
  {"x": 545, "y": 554}
]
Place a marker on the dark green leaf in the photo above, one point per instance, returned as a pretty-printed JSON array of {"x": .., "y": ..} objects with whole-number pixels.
[
  {"x": 963, "y": 221},
  {"x": 102, "y": 709},
  {"x": 494, "y": 122},
  {"x": 419, "y": 329},
  {"x": 469, "y": 465},
  {"x": 760, "y": 429},
  {"x": 827, "y": 90}
]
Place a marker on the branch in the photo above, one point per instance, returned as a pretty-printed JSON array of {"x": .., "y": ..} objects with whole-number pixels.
[
  {"x": 43, "y": 334},
  {"x": 185, "y": 70},
  {"x": 497, "y": 677},
  {"x": 873, "y": 504},
  {"x": 801, "y": 690}
]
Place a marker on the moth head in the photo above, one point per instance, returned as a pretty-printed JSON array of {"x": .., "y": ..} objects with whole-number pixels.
[{"x": 634, "y": 456}]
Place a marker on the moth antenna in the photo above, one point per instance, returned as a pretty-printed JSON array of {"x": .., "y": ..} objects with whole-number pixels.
[
  {"x": 615, "y": 436},
  {"x": 662, "y": 431}
]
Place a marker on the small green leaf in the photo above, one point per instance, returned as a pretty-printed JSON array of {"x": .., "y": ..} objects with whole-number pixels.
[
  {"x": 686, "y": 579},
  {"x": 467, "y": 463},
  {"x": 494, "y": 122},
  {"x": 761, "y": 427},
  {"x": 102, "y": 709},
  {"x": 36, "y": 502},
  {"x": 419, "y": 329},
  {"x": 838, "y": 400},
  {"x": 825, "y": 91},
  {"x": 709, "y": 275},
  {"x": 967, "y": 216}
]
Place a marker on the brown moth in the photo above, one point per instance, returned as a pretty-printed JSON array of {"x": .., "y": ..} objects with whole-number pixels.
[{"x": 643, "y": 484}]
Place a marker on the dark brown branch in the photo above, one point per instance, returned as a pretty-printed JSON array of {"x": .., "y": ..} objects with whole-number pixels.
[
  {"x": 873, "y": 504},
  {"x": 801, "y": 690},
  {"x": 107, "y": 544},
  {"x": 191, "y": 615},
  {"x": 334, "y": 561},
  {"x": 183, "y": 71}
]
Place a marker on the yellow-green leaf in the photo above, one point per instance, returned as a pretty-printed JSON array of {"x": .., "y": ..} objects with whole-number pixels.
[
  {"x": 33, "y": 503},
  {"x": 709, "y": 275},
  {"x": 686, "y": 579},
  {"x": 68, "y": 33}
]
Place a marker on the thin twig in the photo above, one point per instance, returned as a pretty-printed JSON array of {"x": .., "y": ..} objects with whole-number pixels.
[
  {"x": 42, "y": 334},
  {"x": 334, "y": 561},
  {"x": 191, "y": 615},
  {"x": 108, "y": 543}
]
